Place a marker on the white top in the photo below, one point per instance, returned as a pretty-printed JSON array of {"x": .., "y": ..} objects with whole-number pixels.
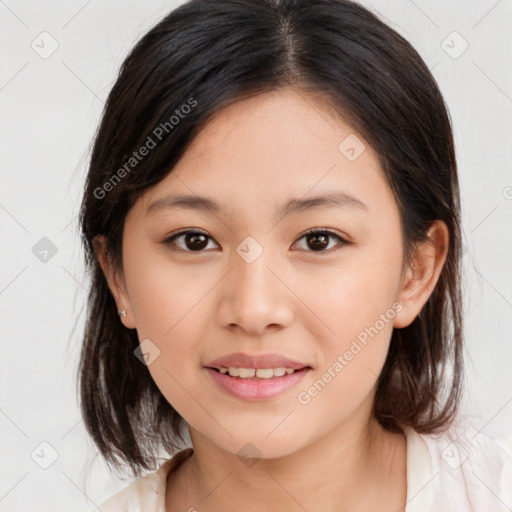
[{"x": 457, "y": 471}]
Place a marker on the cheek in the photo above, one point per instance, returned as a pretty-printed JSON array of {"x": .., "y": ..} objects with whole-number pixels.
[
  {"x": 344, "y": 300},
  {"x": 353, "y": 306},
  {"x": 166, "y": 298},
  {"x": 170, "y": 304},
  {"x": 352, "y": 362}
]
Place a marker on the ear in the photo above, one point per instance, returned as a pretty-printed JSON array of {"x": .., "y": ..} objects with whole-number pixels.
[
  {"x": 421, "y": 276},
  {"x": 115, "y": 280}
]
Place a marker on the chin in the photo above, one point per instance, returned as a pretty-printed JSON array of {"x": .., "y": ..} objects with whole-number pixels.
[{"x": 252, "y": 448}]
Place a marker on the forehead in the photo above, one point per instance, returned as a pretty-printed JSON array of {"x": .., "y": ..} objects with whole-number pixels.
[{"x": 273, "y": 147}]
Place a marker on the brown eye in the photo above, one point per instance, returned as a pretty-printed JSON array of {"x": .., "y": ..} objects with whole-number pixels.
[
  {"x": 317, "y": 240},
  {"x": 194, "y": 241}
]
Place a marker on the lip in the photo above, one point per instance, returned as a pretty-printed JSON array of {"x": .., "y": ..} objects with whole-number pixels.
[
  {"x": 242, "y": 360},
  {"x": 256, "y": 389}
]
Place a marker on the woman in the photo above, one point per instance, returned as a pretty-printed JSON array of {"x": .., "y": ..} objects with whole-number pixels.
[{"x": 272, "y": 222}]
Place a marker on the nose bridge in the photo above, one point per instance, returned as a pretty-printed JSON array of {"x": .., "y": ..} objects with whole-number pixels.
[
  {"x": 255, "y": 294},
  {"x": 252, "y": 277}
]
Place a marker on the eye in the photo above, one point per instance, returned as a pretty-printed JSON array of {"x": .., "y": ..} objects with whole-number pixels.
[
  {"x": 318, "y": 239},
  {"x": 194, "y": 241}
]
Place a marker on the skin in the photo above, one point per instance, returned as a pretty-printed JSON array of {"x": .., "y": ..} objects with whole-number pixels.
[{"x": 307, "y": 305}]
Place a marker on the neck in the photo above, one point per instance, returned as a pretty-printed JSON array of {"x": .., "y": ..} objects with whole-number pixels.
[{"x": 350, "y": 468}]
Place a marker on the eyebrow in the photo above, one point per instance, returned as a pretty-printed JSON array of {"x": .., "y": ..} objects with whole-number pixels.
[{"x": 204, "y": 204}]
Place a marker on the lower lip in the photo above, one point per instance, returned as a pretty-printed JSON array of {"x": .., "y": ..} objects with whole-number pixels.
[{"x": 256, "y": 389}]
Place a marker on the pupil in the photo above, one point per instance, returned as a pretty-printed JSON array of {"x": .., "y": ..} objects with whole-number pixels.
[
  {"x": 198, "y": 241},
  {"x": 322, "y": 244}
]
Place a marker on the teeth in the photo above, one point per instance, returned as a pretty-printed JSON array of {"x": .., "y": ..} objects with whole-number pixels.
[
  {"x": 245, "y": 373},
  {"x": 264, "y": 373},
  {"x": 279, "y": 372},
  {"x": 261, "y": 373}
]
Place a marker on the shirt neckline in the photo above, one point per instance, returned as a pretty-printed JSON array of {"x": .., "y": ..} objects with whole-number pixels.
[{"x": 420, "y": 494}]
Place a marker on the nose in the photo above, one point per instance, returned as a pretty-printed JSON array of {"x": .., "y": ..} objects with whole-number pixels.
[{"x": 254, "y": 295}]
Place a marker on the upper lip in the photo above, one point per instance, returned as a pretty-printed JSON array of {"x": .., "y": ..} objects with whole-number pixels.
[{"x": 242, "y": 360}]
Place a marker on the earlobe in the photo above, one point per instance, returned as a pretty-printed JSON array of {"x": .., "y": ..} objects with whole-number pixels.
[
  {"x": 422, "y": 274},
  {"x": 115, "y": 282}
]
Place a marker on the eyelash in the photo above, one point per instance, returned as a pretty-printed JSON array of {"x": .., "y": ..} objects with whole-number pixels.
[{"x": 342, "y": 242}]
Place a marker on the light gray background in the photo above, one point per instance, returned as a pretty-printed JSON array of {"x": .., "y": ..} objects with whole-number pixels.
[{"x": 50, "y": 108}]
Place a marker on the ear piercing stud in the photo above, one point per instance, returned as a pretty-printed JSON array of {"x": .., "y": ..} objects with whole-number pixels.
[{"x": 122, "y": 313}]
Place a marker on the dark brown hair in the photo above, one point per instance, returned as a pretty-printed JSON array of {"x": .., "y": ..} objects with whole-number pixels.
[{"x": 208, "y": 54}]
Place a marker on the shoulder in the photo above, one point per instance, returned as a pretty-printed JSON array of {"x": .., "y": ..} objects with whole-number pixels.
[
  {"x": 147, "y": 492},
  {"x": 461, "y": 469}
]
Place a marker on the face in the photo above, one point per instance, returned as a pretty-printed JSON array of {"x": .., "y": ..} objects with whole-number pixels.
[{"x": 248, "y": 278}]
